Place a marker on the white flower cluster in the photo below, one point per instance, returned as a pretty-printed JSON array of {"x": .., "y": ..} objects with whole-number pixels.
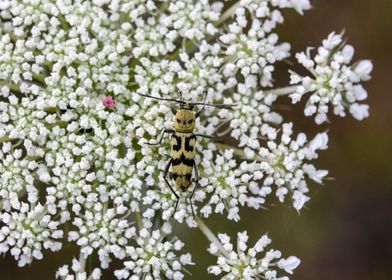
[
  {"x": 77, "y": 272},
  {"x": 103, "y": 233},
  {"x": 27, "y": 232},
  {"x": 228, "y": 184},
  {"x": 74, "y": 163},
  {"x": 241, "y": 262},
  {"x": 153, "y": 258},
  {"x": 283, "y": 165},
  {"x": 253, "y": 52},
  {"x": 254, "y": 119},
  {"x": 334, "y": 81},
  {"x": 16, "y": 178}
]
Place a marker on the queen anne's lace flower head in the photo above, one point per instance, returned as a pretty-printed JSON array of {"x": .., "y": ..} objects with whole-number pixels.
[
  {"x": 77, "y": 271},
  {"x": 284, "y": 164},
  {"x": 74, "y": 164},
  {"x": 240, "y": 262},
  {"x": 334, "y": 82},
  {"x": 154, "y": 257},
  {"x": 27, "y": 232},
  {"x": 103, "y": 233}
]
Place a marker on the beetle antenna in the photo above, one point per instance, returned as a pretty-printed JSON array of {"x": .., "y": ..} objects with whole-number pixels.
[
  {"x": 181, "y": 98},
  {"x": 160, "y": 98},
  {"x": 222, "y": 106},
  {"x": 205, "y": 97}
]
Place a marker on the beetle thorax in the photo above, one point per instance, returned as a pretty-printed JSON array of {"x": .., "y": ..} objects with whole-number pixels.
[{"x": 184, "y": 120}]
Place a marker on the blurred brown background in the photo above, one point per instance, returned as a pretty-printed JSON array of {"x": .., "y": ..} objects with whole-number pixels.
[{"x": 346, "y": 230}]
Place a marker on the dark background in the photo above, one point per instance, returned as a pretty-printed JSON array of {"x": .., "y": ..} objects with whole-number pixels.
[{"x": 345, "y": 232}]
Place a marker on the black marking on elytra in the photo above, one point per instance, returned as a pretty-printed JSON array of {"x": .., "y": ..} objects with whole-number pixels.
[
  {"x": 177, "y": 146},
  {"x": 184, "y": 160},
  {"x": 183, "y": 128},
  {"x": 188, "y": 146}
]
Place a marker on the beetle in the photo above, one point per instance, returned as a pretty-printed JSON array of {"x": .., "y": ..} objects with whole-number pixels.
[{"x": 183, "y": 146}]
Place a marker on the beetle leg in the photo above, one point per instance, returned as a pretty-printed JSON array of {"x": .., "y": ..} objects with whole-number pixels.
[
  {"x": 206, "y": 136},
  {"x": 202, "y": 109},
  {"x": 167, "y": 182},
  {"x": 173, "y": 109},
  {"x": 210, "y": 137},
  {"x": 196, "y": 181},
  {"x": 198, "y": 113},
  {"x": 161, "y": 137}
]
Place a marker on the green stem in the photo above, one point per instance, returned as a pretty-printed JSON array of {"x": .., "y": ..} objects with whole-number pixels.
[
  {"x": 139, "y": 220},
  {"x": 39, "y": 78},
  {"x": 13, "y": 87},
  {"x": 228, "y": 13},
  {"x": 105, "y": 207},
  {"x": 63, "y": 22},
  {"x": 6, "y": 139},
  {"x": 82, "y": 261},
  {"x": 223, "y": 133},
  {"x": 222, "y": 124},
  {"x": 33, "y": 158},
  {"x": 211, "y": 236},
  {"x": 163, "y": 7},
  {"x": 282, "y": 91}
]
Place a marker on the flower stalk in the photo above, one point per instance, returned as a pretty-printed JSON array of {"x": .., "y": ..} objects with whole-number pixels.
[{"x": 211, "y": 236}]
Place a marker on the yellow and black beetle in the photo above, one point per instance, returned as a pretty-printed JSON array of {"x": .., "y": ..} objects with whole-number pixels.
[{"x": 183, "y": 145}]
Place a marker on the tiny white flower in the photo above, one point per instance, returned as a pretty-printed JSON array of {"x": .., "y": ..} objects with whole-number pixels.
[
  {"x": 289, "y": 264},
  {"x": 359, "y": 111}
]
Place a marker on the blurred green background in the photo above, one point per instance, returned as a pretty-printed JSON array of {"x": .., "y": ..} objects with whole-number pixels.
[{"x": 346, "y": 230}]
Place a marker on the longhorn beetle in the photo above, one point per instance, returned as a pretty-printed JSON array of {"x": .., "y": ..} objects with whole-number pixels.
[{"x": 183, "y": 146}]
